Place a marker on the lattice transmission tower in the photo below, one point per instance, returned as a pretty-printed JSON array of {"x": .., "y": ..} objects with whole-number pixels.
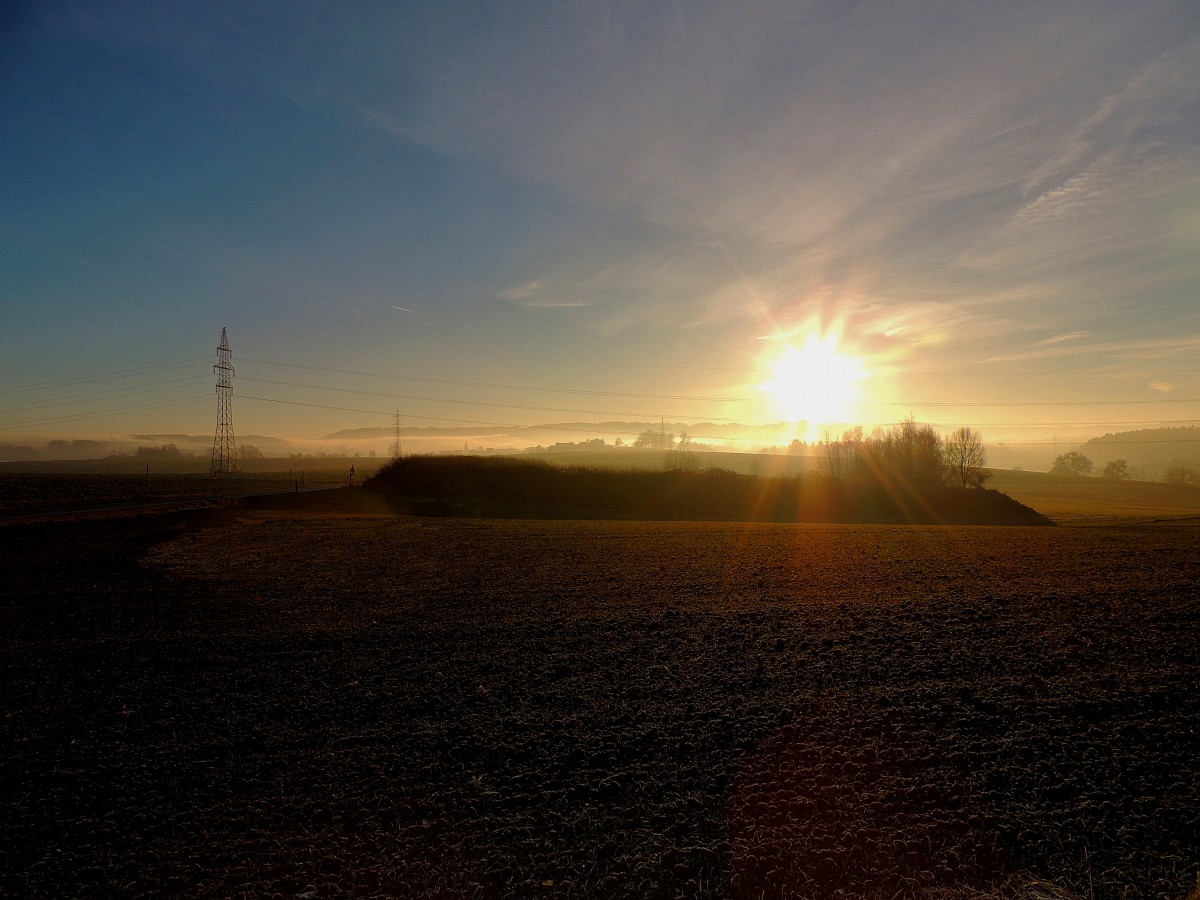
[
  {"x": 224, "y": 455},
  {"x": 396, "y": 449}
]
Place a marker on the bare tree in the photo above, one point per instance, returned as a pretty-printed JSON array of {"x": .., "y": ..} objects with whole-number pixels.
[
  {"x": 681, "y": 455},
  {"x": 842, "y": 458},
  {"x": 965, "y": 458},
  {"x": 908, "y": 453}
]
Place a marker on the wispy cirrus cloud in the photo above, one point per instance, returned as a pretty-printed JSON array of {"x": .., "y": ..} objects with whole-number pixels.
[
  {"x": 1107, "y": 193},
  {"x": 1158, "y": 350},
  {"x": 1003, "y": 157},
  {"x": 539, "y": 294},
  {"x": 1063, "y": 338},
  {"x": 524, "y": 291},
  {"x": 816, "y": 155}
]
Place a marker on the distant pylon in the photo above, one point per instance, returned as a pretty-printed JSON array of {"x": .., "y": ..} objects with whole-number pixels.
[
  {"x": 224, "y": 455},
  {"x": 396, "y": 450}
]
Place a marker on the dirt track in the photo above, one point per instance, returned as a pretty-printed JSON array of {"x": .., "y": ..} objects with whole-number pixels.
[{"x": 401, "y": 707}]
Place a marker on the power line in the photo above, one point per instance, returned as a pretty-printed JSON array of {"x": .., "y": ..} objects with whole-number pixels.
[
  {"x": 158, "y": 342},
  {"x": 46, "y": 403},
  {"x": 988, "y": 404},
  {"x": 609, "y": 412},
  {"x": 513, "y": 358},
  {"x": 25, "y": 405},
  {"x": 505, "y": 425},
  {"x": 104, "y": 376},
  {"x": 126, "y": 373},
  {"x": 1057, "y": 424},
  {"x": 108, "y": 412},
  {"x": 508, "y": 426},
  {"x": 593, "y": 412},
  {"x": 1089, "y": 373},
  {"x": 497, "y": 385},
  {"x": 592, "y": 430}
]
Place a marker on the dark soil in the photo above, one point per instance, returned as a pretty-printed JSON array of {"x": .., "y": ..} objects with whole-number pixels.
[
  {"x": 27, "y": 494},
  {"x": 259, "y": 703}
]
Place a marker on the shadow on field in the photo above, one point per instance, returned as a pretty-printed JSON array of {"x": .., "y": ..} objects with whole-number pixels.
[{"x": 334, "y": 502}]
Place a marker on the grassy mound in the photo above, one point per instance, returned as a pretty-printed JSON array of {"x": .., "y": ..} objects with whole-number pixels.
[{"x": 503, "y": 487}]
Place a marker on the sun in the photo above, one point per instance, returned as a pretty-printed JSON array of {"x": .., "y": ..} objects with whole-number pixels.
[{"x": 814, "y": 383}]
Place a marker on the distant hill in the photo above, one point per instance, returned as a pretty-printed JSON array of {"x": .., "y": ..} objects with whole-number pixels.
[{"x": 1149, "y": 451}]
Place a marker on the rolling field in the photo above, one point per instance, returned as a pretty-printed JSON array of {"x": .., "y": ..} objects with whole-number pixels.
[
  {"x": 310, "y": 697},
  {"x": 1098, "y": 501}
]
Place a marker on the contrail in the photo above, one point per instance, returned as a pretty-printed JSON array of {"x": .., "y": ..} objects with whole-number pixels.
[{"x": 402, "y": 309}]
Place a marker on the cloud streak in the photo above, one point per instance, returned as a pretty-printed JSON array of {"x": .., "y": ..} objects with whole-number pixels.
[
  {"x": 826, "y": 149},
  {"x": 775, "y": 155}
]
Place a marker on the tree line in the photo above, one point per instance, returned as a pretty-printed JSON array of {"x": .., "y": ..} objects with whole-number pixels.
[
  {"x": 909, "y": 454},
  {"x": 1075, "y": 463}
]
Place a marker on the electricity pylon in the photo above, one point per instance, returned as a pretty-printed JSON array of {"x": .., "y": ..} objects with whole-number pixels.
[
  {"x": 395, "y": 448},
  {"x": 224, "y": 455}
]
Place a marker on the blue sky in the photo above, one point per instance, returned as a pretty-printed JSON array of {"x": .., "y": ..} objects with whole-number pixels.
[{"x": 597, "y": 211}]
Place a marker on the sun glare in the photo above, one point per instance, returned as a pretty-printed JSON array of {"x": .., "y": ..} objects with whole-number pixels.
[{"x": 814, "y": 383}]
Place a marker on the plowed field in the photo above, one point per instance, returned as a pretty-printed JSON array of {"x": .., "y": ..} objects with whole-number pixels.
[{"x": 215, "y": 704}]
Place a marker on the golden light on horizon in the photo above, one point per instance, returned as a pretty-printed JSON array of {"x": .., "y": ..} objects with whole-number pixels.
[{"x": 816, "y": 382}]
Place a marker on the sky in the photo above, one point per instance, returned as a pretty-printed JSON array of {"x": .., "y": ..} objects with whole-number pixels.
[{"x": 767, "y": 220}]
